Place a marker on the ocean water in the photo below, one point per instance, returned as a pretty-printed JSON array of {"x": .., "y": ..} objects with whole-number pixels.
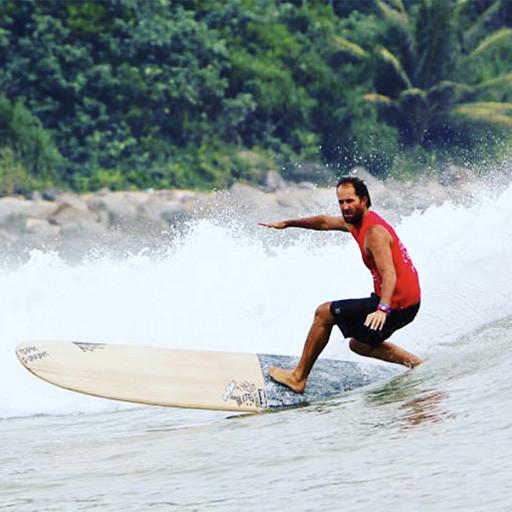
[{"x": 438, "y": 438}]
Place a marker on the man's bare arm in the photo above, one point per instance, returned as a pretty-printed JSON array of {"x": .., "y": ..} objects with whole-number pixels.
[
  {"x": 318, "y": 222},
  {"x": 378, "y": 243}
]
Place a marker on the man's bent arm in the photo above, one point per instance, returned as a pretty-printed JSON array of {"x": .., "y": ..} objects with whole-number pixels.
[
  {"x": 318, "y": 222},
  {"x": 379, "y": 243}
]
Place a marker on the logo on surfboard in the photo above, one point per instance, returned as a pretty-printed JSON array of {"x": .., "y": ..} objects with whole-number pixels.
[
  {"x": 28, "y": 355},
  {"x": 245, "y": 394},
  {"x": 88, "y": 347}
]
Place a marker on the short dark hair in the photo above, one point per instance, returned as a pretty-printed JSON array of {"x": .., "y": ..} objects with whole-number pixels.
[{"x": 359, "y": 186}]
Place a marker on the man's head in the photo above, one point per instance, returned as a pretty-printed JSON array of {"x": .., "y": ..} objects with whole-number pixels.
[{"x": 353, "y": 198}]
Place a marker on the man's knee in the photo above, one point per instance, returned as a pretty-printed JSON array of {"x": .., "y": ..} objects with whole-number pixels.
[
  {"x": 323, "y": 313},
  {"x": 360, "y": 348}
]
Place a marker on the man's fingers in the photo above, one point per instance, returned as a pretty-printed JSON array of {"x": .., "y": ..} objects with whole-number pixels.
[
  {"x": 369, "y": 321},
  {"x": 375, "y": 321},
  {"x": 275, "y": 225}
]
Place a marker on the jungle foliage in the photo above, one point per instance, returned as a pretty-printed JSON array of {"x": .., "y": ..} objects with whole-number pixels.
[{"x": 200, "y": 93}]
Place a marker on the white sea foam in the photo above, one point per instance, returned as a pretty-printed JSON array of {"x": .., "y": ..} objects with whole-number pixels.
[{"x": 221, "y": 288}]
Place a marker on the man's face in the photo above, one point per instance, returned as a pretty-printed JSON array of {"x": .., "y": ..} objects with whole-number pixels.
[{"x": 351, "y": 205}]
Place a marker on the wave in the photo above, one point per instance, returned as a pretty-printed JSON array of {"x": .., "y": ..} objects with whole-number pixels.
[{"x": 227, "y": 286}]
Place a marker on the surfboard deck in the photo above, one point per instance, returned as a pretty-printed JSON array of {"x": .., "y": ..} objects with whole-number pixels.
[{"x": 228, "y": 381}]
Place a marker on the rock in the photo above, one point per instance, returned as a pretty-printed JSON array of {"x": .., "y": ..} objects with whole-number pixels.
[
  {"x": 13, "y": 208},
  {"x": 158, "y": 208},
  {"x": 311, "y": 172},
  {"x": 132, "y": 219},
  {"x": 191, "y": 200},
  {"x": 273, "y": 181},
  {"x": 176, "y": 217},
  {"x": 41, "y": 228},
  {"x": 306, "y": 185},
  {"x": 243, "y": 197},
  {"x": 74, "y": 200},
  {"x": 73, "y": 221},
  {"x": 454, "y": 175},
  {"x": 120, "y": 211},
  {"x": 50, "y": 194},
  {"x": 421, "y": 195},
  {"x": 376, "y": 187},
  {"x": 243, "y": 189}
]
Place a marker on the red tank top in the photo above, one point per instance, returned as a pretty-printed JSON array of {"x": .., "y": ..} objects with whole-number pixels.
[{"x": 407, "y": 289}]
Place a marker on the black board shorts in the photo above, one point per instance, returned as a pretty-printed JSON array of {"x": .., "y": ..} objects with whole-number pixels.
[{"x": 350, "y": 315}]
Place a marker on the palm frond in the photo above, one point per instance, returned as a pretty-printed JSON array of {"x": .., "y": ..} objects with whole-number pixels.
[
  {"x": 398, "y": 5},
  {"x": 393, "y": 62},
  {"x": 437, "y": 42},
  {"x": 386, "y": 105},
  {"x": 462, "y": 4},
  {"x": 378, "y": 99},
  {"x": 494, "y": 114},
  {"x": 346, "y": 46},
  {"x": 495, "y": 84},
  {"x": 497, "y": 39},
  {"x": 414, "y": 102},
  {"x": 413, "y": 94},
  {"x": 398, "y": 16},
  {"x": 448, "y": 91},
  {"x": 477, "y": 28}
]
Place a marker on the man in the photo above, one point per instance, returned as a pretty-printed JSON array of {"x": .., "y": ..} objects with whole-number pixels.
[{"x": 370, "y": 321}]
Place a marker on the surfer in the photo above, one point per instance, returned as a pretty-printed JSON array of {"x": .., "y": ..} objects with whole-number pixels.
[{"x": 369, "y": 321}]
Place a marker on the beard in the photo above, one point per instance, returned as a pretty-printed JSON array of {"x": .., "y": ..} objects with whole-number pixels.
[{"x": 354, "y": 218}]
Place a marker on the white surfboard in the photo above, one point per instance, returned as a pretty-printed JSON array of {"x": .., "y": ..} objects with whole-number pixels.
[{"x": 227, "y": 381}]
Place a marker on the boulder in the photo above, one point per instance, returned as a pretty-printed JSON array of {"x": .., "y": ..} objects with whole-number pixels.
[
  {"x": 41, "y": 228},
  {"x": 453, "y": 175},
  {"x": 13, "y": 210},
  {"x": 273, "y": 181},
  {"x": 246, "y": 198},
  {"x": 119, "y": 210},
  {"x": 159, "y": 208},
  {"x": 74, "y": 200},
  {"x": 73, "y": 221}
]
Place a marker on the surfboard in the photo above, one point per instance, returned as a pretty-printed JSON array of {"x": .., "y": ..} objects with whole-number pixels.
[{"x": 228, "y": 381}]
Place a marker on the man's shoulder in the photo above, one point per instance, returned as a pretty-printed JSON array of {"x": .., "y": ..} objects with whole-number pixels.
[
  {"x": 376, "y": 217},
  {"x": 378, "y": 233}
]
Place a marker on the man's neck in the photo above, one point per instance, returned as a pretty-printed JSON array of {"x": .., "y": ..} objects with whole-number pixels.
[{"x": 358, "y": 225}]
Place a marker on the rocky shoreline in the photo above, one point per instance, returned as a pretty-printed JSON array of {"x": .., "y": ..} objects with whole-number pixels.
[{"x": 64, "y": 220}]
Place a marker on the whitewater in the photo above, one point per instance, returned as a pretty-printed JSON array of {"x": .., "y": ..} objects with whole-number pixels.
[{"x": 437, "y": 438}]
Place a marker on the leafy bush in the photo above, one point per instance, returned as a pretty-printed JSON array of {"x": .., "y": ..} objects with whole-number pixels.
[
  {"x": 15, "y": 178},
  {"x": 137, "y": 94}
]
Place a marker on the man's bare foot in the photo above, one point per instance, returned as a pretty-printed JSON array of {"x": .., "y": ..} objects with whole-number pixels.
[{"x": 288, "y": 379}]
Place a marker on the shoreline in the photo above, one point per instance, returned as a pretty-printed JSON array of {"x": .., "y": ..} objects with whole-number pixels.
[{"x": 134, "y": 218}]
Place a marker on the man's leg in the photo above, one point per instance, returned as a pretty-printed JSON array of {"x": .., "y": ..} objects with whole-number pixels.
[
  {"x": 386, "y": 351},
  {"x": 316, "y": 341}
]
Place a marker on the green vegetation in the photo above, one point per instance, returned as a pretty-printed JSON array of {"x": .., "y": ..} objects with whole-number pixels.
[
  {"x": 445, "y": 80},
  {"x": 200, "y": 93}
]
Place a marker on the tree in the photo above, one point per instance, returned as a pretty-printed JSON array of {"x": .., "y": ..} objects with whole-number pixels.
[
  {"x": 431, "y": 81},
  {"x": 29, "y": 145}
]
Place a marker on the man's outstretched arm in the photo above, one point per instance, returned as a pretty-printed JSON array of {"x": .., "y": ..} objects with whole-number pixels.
[{"x": 318, "y": 222}]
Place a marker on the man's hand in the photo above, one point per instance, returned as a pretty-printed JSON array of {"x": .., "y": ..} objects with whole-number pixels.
[
  {"x": 376, "y": 320},
  {"x": 275, "y": 225}
]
